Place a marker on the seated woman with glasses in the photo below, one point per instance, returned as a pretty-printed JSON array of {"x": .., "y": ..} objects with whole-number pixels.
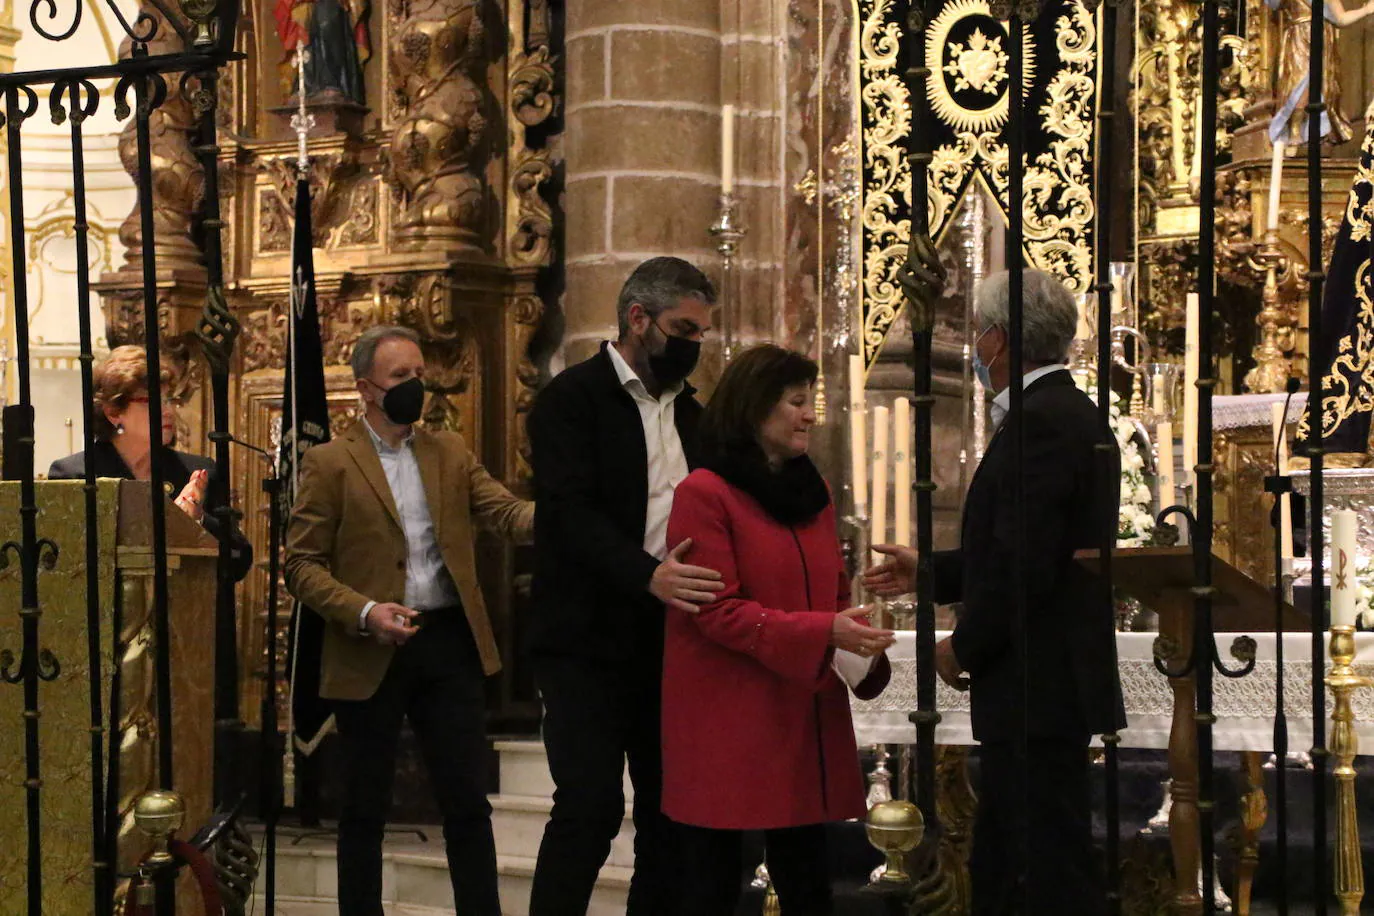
[{"x": 123, "y": 448}]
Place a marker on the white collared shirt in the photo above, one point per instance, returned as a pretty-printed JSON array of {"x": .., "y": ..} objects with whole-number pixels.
[
  {"x": 429, "y": 585},
  {"x": 1002, "y": 403},
  {"x": 667, "y": 461}
]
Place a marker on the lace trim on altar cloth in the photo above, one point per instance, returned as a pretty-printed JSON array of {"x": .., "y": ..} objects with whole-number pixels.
[{"x": 1244, "y": 707}]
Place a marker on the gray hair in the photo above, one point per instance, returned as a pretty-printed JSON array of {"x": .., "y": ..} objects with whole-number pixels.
[
  {"x": 658, "y": 285},
  {"x": 365, "y": 347},
  {"x": 1049, "y": 317}
]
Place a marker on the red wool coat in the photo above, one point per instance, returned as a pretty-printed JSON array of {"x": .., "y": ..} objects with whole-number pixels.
[{"x": 756, "y": 725}]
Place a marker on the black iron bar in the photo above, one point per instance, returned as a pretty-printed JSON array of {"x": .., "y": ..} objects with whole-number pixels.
[
  {"x": 1316, "y": 277},
  {"x": 1107, "y": 450},
  {"x": 1016, "y": 170},
  {"x": 161, "y": 624},
  {"x": 925, "y": 717},
  {"x": 80, "y": 94},
  {"x": 1204, "y": 649},
  {"x": 147, "y": 94},
  {"x": 270, "y": 766},
  {"x": 1280, "y": 484},
  {"x": 228, "y": 725},
  {"x": 28, "y": 666},
  {"x": 129, "y": 66}
]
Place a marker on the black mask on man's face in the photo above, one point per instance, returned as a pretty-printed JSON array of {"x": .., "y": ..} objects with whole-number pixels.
[
  {"x": 403, "y": 403},
  {"x": 675, "y": 360}
]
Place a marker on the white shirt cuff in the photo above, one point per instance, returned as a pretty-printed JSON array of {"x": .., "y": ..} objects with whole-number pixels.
[{"x": 362, "y": 618}]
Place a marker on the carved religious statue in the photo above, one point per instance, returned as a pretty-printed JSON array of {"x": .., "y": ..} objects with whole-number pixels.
[
  {"x": 336, "y": 35},
  {"x": 1289, "y": 123}
]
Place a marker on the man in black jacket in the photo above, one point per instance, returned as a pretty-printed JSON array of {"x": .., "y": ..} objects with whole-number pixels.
[
  {"x": 1071, "y": 496},
  {"x": 611, "y": 438}
]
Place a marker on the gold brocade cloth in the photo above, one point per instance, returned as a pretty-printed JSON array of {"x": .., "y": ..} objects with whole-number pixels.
[{"x": 64, "y": 704}]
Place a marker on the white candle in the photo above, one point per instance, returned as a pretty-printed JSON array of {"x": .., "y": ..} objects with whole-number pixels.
[
  {"x": 1285, "y": 507},
  {"x": 1157, "y": 399},
  {"x": 1345, "y": 588},
  {"x": 1190, "y": 376},
  {"x": 1275, "y": 185},
  {"x": 858, "y": 433},
  {"x": 878, "y": 515},
  {"x": 901, "y": 471},
  {"x": 727, "y": 149},
  {"x": 1164, "y": 464},
  {"x": 1085, "y": 328}
]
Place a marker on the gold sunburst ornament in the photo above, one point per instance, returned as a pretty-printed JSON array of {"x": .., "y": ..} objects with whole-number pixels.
[{"x": 967, "y": 56}]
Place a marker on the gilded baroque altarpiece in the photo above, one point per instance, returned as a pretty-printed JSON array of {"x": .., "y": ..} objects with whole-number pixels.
[{"x": 431, "y": 209}]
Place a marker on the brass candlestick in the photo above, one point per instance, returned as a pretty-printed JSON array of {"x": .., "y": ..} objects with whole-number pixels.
[
  {"x": 1276, "y": 322},
  {"x": 1343, "y": 680}
]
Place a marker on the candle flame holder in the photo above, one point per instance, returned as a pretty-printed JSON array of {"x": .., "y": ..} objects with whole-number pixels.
[{"x": 728, "y": 232}]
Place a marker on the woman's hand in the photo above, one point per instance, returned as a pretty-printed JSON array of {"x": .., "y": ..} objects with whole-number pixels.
[
  {"x": 895, "y": 576},
  {"x": 846, "y": 632},
  {"x": 191, "y": 500}
]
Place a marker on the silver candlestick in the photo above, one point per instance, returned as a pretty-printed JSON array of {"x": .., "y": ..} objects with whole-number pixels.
[{"x": 728, "y": 232}]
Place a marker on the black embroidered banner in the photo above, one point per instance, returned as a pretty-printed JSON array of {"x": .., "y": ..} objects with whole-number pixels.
[{"x": 968, "y": 92}]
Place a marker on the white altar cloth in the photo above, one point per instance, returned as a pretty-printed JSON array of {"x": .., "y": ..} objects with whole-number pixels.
[{"x": 1244, "y": 707}]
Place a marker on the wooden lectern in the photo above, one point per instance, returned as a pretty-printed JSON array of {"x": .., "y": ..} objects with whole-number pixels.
[
  {"x": 1161, "y": 578},
  {"x": 124, "y": 528}
]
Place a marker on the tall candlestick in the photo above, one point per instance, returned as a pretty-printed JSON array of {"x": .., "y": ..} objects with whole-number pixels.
[
  {"x": 1345, "y": 587},
  {"x": 901, "y": 471},
  {"x": 858, "y": 433},
  {"x": 1164, "y": 464},
  {"x": 1275, "y": 185},
  {"x": 727, "y": 149},
  {"x": 1285, "y": 506},
  {"x": 878, "y": 514},
  {"x": 1190, "y": 377}
]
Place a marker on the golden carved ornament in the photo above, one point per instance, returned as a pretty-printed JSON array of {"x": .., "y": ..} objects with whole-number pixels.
[
  {"x": 329, "y": 175},
  {"x": 178, "y": 180},
  {"x": 437, "y": 61}
]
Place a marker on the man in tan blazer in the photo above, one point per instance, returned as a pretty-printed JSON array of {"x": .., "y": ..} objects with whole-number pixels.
[{"x": 381, "y": 545}]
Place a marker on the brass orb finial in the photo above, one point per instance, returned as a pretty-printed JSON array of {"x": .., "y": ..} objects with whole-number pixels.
[
  {"x": 159, "y": 814},
  {"x": 895, "y": 828}
]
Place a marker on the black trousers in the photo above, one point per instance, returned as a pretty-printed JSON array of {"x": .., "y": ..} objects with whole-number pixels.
[
  {"x": 598, "y": 714},
  {"x": 1062, "y": 874},
  {"x": 436, "y": 681},
  {"x": 713, "y": 870}
]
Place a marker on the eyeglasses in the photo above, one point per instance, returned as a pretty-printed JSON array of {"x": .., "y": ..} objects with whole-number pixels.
[{"x": 176, "y": 400}]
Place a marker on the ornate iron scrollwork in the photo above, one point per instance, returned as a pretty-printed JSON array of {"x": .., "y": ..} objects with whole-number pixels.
[
  {"x": 83, "y": 96},
  {"x": 218, "y": 329}
]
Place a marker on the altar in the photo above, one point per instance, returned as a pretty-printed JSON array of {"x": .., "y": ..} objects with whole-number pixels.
[
  {"x": 1244, "y": 708},
  {"x": 1160, "y": 716}
]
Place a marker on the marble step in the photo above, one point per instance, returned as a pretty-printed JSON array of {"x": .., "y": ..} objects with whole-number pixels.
[
  {"x": 524, "y": 770},
  {"x": 518, "y": 823},
  {"x": 415, "y": 880}
]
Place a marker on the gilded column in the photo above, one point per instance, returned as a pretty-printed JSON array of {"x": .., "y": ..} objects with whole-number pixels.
[{"x": 437, "y": 58}]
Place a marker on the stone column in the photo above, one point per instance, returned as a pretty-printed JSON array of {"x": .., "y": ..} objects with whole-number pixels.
[{"x": 642, "y": 149}]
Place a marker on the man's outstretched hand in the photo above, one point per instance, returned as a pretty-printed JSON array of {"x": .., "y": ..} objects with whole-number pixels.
[{"x": 895, "y": 575}]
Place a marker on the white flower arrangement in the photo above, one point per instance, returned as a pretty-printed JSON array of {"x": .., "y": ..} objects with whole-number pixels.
[{"x": 1136, "y": 521}]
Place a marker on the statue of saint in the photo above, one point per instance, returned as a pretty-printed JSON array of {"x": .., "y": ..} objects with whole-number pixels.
[
  {"x": 1289, "y": 123},
  {"x": 335, "y": 32}
]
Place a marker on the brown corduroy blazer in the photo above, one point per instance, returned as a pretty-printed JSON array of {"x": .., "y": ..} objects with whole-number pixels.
[{"x": 345, "y": 545}]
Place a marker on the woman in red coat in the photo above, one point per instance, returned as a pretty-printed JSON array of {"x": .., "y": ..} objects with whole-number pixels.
[{"x": 756, "y": 726}]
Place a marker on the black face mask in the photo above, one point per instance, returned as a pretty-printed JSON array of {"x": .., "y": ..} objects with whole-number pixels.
[
  {"x": 676, "y": 360},
  {"x": 403, "y": 403}
]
